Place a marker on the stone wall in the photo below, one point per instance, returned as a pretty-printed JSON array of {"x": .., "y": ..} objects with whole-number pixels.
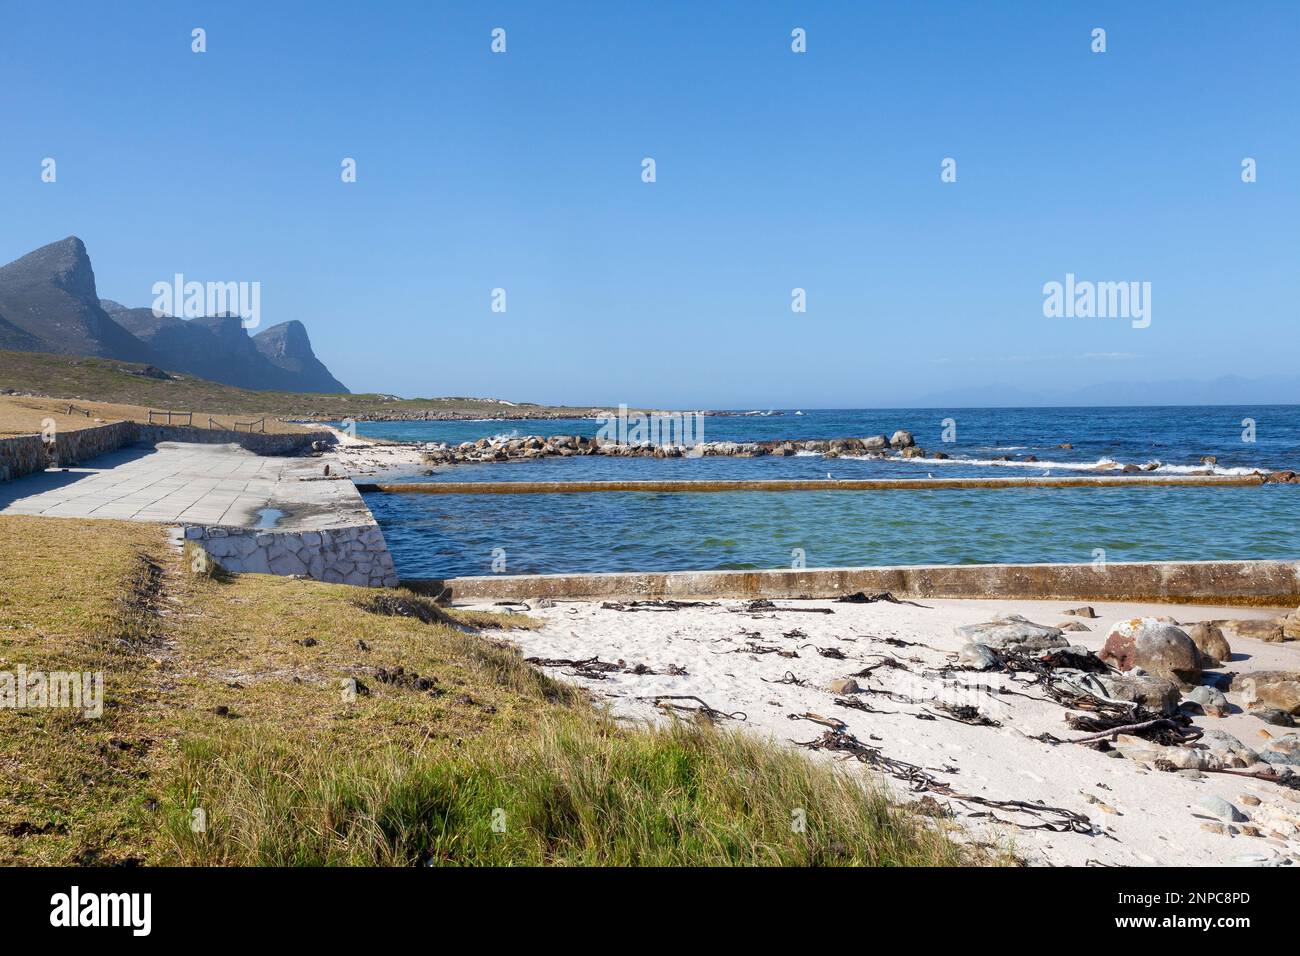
[
  {"x": 74, "y": 447},
  {"x": 288, "y": 443},
  {"x": 21, "y": 455},
  {"x": 25, "y": 454},
  {"x": 354, "y": 554}
]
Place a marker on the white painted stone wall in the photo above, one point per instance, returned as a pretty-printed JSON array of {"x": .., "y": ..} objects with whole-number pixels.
[{"x": 355, "y": 554}]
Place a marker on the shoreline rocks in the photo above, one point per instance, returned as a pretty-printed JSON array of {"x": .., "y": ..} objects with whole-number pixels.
[{"x": 1155, "y": 646}]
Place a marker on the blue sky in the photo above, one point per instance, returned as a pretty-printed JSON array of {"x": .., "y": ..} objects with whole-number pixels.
[{"x": 775, "y": 170}]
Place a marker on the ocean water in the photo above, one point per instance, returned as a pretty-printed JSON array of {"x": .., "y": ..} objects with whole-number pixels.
[{"x": 442, "y": 536}]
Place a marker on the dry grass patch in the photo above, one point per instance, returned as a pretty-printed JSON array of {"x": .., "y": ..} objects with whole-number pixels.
[
  {"x": 26, "y": 416},
  {"x": 321, "y": 724}
]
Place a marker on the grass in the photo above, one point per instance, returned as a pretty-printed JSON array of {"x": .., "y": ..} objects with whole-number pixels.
[
  {"x": 312, "y": 725},
  {"x": 108, "y": 380}
]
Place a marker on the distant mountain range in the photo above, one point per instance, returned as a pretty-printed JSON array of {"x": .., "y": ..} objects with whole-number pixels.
[{"x": 48, "y": 303}]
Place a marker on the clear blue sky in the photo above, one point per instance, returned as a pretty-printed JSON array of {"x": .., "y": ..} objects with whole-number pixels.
[{"x": 775, "y": 170}]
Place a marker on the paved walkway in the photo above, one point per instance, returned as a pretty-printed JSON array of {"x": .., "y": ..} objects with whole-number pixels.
[{"x": 194, "y": 484}]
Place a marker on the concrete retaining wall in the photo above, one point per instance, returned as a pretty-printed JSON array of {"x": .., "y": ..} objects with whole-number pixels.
[
  {"x": 22, "y": 455},
  {"x": 355, "y": 554},
  {"x": 1252, "y": 583}
]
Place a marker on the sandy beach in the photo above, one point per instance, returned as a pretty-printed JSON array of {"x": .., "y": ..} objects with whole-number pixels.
[{"x": 1135, "y": 814}]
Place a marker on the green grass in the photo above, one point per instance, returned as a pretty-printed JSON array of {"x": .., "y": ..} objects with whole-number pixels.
[
  {"x": 577, "y": 791},
  {"x": 228, "y": 694}
]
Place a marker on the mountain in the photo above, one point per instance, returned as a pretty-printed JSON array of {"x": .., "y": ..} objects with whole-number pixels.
[
  {"x": 287, "y": 347},
  {"x": 48, "y": 303},
  {"x": 50, "y": 295}
]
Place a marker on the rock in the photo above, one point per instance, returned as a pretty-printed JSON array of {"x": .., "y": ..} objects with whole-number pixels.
[
  {"x": 1153, "y": 693},
  {"x": 1209, "y": 640},
  {"x": 1217, "y": 806},
  {"x": 1282, "y": 750},
  {"x": 1155, "y": 646},
  {"x": 1075, "y": 626},
  {"x": 1291, "y": 626},
  {"x": 1085, "y": 611},
  {"x": 1280, "y": 689},
  {"x": 914, "y": 452},
  {"x": 1271, "y": 715},
  {"x": 1180, "y": 759},
  {"x": 1215, "y": 828},
  {"x": 875, "y": 443},
  {"x": 979, "y": 657},
  {"x": 1249, "y": 799},
  {"x": 1229, "y": 749},
  {"x": 843, "y": 685},
  {"x": 1206, "y": 700},
  {"x": 1013, "y": 633},
  {"x": 1269, "y": 629},
  {"x": 901, "y": 439}
]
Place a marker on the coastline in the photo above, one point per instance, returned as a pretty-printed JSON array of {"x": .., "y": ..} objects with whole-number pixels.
[{"x": 776, "y": 670}]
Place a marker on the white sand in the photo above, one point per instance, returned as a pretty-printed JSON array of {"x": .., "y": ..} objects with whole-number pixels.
[
  {"x": 360, "y": 457},
  {"x": 1153, "y": 817}
]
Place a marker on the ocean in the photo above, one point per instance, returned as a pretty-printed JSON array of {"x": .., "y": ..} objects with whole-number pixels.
[{"x": 444, "y": 536}]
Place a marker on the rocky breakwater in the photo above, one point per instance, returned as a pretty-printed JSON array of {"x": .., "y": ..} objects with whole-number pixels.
[{"x": 899, "y": 445}]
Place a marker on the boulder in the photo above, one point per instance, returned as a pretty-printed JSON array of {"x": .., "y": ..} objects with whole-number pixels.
[
  {"x": 1209, "y": 640},
  {"x": 875, "y": 443},
  {"x": 1084, "y": 611},
  {"x": 1280, "y": 689},
  {"x": 1154, "y": 693},
  {"x": 1269, "y": 629},
  {"x": 1218, "y": 807},
  {"x": 1013, "y": 633},
  {"x": 843, "y": 685},
  {"x": 1075, "y": 626},
  {"x": 1291, "y": 626},
  {"x": 1271, "y": 715},
  {"x": 1155, "y": 646},
  {"x": 1187, "y": 760},
  {"x": 1282, "y": 750},
  {"x": 913, "y": 452},
  {"x": 1206, "y": 700},
  {"x": 1229, "y": 749},
  {"x": 978, "y": 657},
  {"x": 901, "y": 439}
]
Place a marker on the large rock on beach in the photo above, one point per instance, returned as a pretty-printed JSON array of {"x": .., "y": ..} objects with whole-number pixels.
[
  {"x": 1013, "y": 633},
  {"x": 1209, "y": 640},
  {"x": 1156, "y": 694},
  {"x": 901, "y": 439},
  {"x": 1228, "y": 748},
  {"x": 1279, "y": 689},
  {"x": 978, "y": 657},
  {"x": 1155, "y": 646},
  {"x": 1269, "y": 629},
  {"x": 1206, "y": 700}
]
